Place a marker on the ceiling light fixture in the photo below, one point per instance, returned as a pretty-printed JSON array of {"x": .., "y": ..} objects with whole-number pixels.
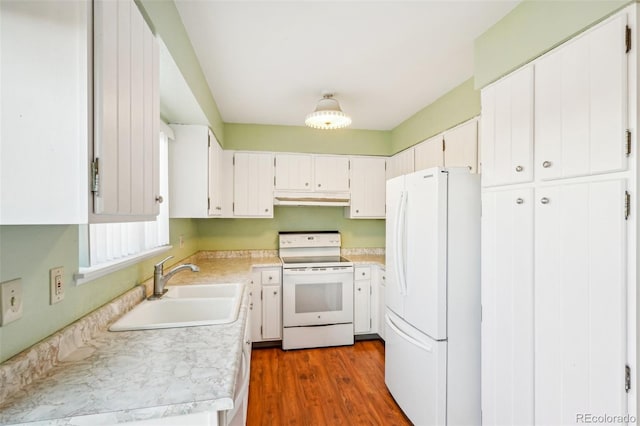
[{"x": 328, "y": 114}]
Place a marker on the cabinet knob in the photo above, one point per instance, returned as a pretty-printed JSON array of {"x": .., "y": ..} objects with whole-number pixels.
[
  {"x": 357, "y": 211},
  {"x": 359, "y": 289},
  {"x": 544, "y": 200},
  {"x": 218, "y": 208},
  {"x": 306, "y": 184},
  {"x": 363, "y": 274},
  {"x": 519, "y": 169},
  {"x": 519, "y": 201},
  {"x": 275, "y": 293},
  {"x": 319, "y": 185},
  {"x": 159, "y": 199},
  {"x": 546, "y": 164},
  {"x": 270, "y": 277},
  {"x": 266, "y": 210}
]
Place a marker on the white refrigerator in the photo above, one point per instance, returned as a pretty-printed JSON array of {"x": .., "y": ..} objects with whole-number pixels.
[{"x": 432, "y": 319}]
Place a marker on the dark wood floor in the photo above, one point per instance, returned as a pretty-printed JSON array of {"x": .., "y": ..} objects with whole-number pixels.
[{"x": 326, "y": 386}]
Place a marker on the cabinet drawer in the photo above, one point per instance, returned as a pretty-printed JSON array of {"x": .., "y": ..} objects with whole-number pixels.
[
  {"x": 270, "y": 277},
  {"x": 362, "y": 273}
]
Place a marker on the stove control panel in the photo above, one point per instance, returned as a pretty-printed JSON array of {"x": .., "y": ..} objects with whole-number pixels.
[{"x": 309, "y": 240}]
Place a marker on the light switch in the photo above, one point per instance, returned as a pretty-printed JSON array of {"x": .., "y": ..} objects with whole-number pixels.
[{"x": 10, "y": 301}]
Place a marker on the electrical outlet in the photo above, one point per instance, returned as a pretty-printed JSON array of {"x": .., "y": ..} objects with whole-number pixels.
[
  {"x": 56, "y": 284},
  {"x": 10, "y": 301}
]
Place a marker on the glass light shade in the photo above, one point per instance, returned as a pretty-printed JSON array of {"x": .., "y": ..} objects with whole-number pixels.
[{"x": 328, "y": 115}]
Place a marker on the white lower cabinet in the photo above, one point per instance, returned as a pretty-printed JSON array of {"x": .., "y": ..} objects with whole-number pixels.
[
  {"x": 507, "y": 307},
  {"x": 380, "y": 284},
  {"x": 362, "y": 322},
  {"x": 266, "y": 304},
  {"x": 580, "y": 301}
]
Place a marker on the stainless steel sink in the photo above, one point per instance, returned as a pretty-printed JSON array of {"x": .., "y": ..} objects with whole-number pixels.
[{"x": 185, "y": 306}]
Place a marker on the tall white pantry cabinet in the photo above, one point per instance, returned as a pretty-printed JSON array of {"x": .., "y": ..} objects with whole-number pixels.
[{"x": 559, "y": 233}]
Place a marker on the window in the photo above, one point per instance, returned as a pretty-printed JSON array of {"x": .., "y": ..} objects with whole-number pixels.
[{"x": 107, "y": 247}]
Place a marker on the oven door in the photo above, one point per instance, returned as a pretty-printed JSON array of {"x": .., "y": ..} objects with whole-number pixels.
[{"x": 317, "y": 296}]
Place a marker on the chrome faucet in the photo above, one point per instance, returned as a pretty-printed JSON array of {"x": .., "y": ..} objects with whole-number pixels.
[{"x": 159, "y": 279}]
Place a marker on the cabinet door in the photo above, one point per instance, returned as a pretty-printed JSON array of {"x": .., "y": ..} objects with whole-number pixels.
[
  {"x": 507, "y": 307},
  {"x": 331, "y": 173},
  {"x": 581, "y": 98},
  {"x": 368, "y": 186},
  {"x": 580, "y": 301},
  {"x": 401, "y": 163},
  {"x": 189, "y": 165},
  {"x": 429, "y": 153},
  {"x": 253, "y": 184},
  {"x": 362, "y": 306},
  {"x": 214, "y": 202},
  {"x": 294, "y": 172},
  {"x": 271, "y": 312},
  {"x": 255, "y": 307},
  {"x": 507, "y": 129},
  {"x": 461, "y": 146},
  {"x": 126, "y": 99}
]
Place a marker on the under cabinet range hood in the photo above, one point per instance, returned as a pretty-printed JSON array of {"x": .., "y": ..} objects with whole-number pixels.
[{"x": 288, "y": 198}]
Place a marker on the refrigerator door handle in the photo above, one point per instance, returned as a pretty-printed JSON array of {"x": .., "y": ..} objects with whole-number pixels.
[
  {"x": 399, "y": 244},
  {"x": 405, "y": 336},
  {"x": 402, "y": 247}
]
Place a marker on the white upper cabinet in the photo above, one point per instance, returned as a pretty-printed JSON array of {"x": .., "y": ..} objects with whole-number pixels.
[
  {"x": 581, "y": 105},
  {"x": 461, "y": 146},
  {"x": 367, "y": 188},
  {"x": 319, "y": 173},
  {"x": 294, "y": 172},
  {"x": 253, "y": 184},
  {"x": 507, "y": 129},
  {"x": 429, "y": 153},
  {"x": 194, "y": 172},
  {"x": 126, "y": 114},
  {"x": 401, "y": 163},
  {"x": 331, "y": 173},
  {"x": 44, "y": 114}
]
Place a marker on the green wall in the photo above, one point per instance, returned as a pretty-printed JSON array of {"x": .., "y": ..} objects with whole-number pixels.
[
  {"x": 458, "y": 105},
  {"x": 28, "y": 252},
  {"x": 259, "y": 137},
  {"x": 164, "y": 19},
  {"x": 531, "y": 29},
  {"x": 237, "y": 234}
]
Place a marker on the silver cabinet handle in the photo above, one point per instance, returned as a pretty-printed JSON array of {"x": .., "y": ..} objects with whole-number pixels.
[
  {"x": 306, "y": 184},
  {"x": 519, "y": 201},
  {"x": 275, "y": 293},
  {"x": 519, "y": 169},
  {"x": 546, "y": 164},
  {"x": 266, "y": 210},
  {"x": 359, "y": 289},
  {"x": 319, "y": 185},
  {"x": 218, "y": 208},
  {"x": 159, "y": 199},
  {"x": 544, "y": 200}
]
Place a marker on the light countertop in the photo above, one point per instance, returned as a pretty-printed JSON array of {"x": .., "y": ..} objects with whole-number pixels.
[{"x": 134, "y": 375}]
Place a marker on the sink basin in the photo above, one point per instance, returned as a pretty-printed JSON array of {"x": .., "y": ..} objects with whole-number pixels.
[
  {"x": 185, "y": 306},
  {"x": 204, "y": 291}
]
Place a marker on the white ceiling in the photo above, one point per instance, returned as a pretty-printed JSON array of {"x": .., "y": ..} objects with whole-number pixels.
[{"x": 268, "y": 62}]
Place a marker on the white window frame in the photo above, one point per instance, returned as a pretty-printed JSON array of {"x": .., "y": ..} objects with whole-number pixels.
[{"x": 109, "y": 247}]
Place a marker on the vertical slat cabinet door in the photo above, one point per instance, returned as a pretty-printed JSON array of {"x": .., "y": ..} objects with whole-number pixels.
[
  {"x": 215, "y": 176},
  {"x": 106, "y": 104},
  {"x": 361, "y": 306},
  {"x": 253, "y": 184},
  {"x": 401, "y": 163},
  {"x": 429, "y": 153},
  {"x": 271, "y": 312},
  {"x": 368, "y": 187},
  {"x": 150, "y": 138},
  {"x": 331, "y": 173},
  {"x": 580, "y": 301},
  {"x": 461, "y": 146},
  {"x": 581, "y": 105},
  {"x": 255, "y": 306},
  {"x": 507, "y": 307},
  {"x": 139, "y": 119},
  {"x": 508, "y": 139},
  {"x": 487, "y": 135},
  {"x": 130, "y": 111},
  {"x": 294, "y": 172}
]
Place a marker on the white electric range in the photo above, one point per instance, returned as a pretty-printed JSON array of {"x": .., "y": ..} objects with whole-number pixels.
[{"x": 317, "y": 290}]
